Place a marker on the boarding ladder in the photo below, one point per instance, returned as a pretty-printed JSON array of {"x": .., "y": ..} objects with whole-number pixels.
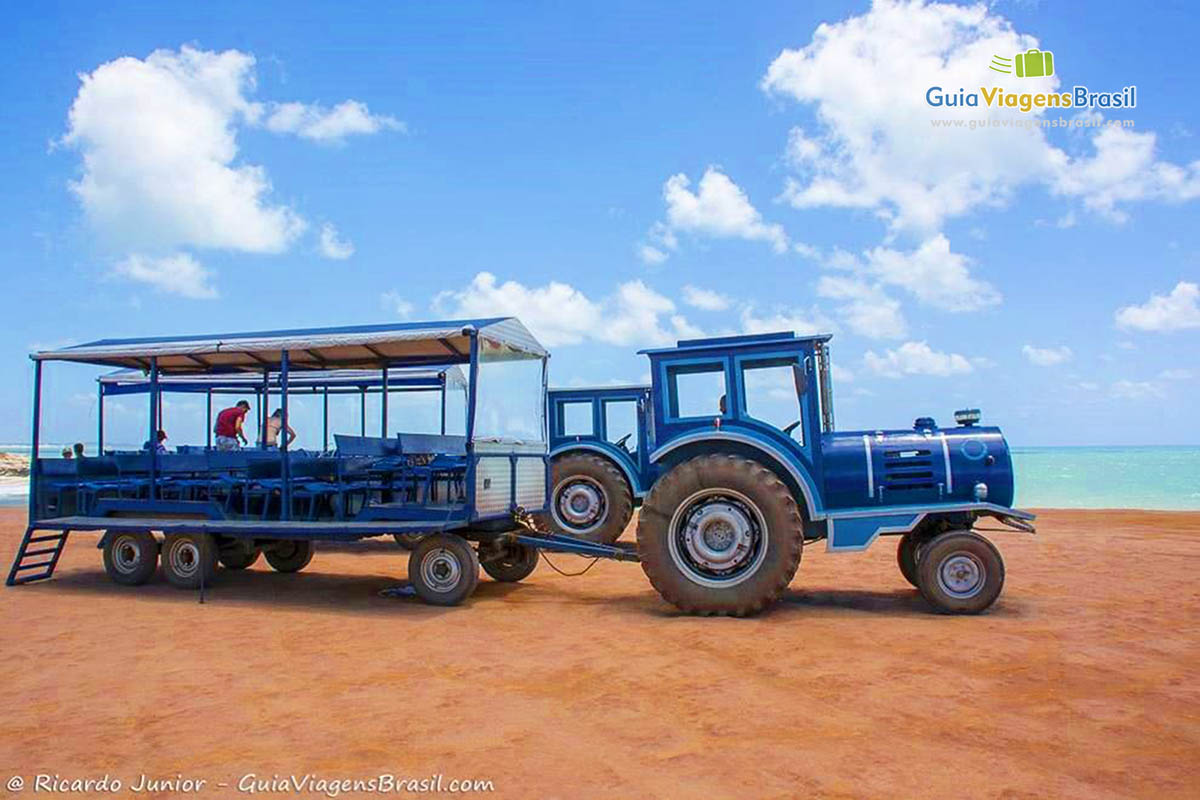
[{"x": 37, "y": 556}]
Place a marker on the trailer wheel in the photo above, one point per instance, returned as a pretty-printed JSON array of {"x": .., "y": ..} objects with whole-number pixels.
[
  {"x": 408, "y": 540},
  {"x": 290, "y": 555},
  {"x": 130, "y": 557},
  {"x": 720, "y": 534},
  {"x": 908, "y": 554},
  {"x": 239, "y": 554},
  {"x": 591, "y": 498},
  {"x": 516, "y": 564},
  {"x": 960, "y": 572},
  {"x": 189, "y": 559},
  {"x": 443, "y": 569}
]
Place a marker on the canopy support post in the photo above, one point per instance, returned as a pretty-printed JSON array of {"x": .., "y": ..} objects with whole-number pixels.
[
  {"x": 362, "y": 418},
  {"x": 443, "y": 404},
  {"x": 383, "y": 405},
  {"x": 325, "y": 419},
  {"x": 100, "y": 420},
  {"x": 154, "y": 418},
  {"x": 33, "y": 447},
  {"x": 264, "y": 406},
  {"x": 208, "y": 424},
  {"x": 285, "y": 499}
]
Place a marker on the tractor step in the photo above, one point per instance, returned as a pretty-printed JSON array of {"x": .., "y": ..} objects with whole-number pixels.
[{"x": 42, "y": 559}]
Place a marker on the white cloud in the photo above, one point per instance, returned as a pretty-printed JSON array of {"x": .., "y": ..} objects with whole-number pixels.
[
  {"x": 179, "y": 274},
  {"x": 651, "y": 255},
  {"x": 1176, "y": 311},
  {"x": 333, "y": 245},
  {"x": 705, "y": 299},
  {"x": 717, "y": 209},
  {"x": 932, "y": 274},
  {"x": 1046, "y": 356},
  {"x": 1136, "y": 390},
  {"x": 560, "y": 314},
  {"x": 841, "y": 374},
  {"x": 394, "y": 302},
  {"x": 320, "y": 124},
  {"x": 874, "y": 147},
  {"x": 916, "y": 358},
  {"x": 866, "y": 308},
  {"x": 1176, "y": 375},
  {"x": 795, "y": 320}
]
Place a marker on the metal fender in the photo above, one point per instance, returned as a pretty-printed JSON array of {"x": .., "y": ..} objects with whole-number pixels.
[
  {"x": 812, "y": 498},
  {"x": 857, "y": 529},
  {"x": 611, "y": 455}
]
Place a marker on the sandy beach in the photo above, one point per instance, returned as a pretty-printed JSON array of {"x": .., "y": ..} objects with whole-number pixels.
[{"x": 1082, "y": 681}]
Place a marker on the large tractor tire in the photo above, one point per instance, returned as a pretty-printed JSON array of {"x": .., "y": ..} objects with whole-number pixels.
[
  {"x": 591, "y": 498},
  {"x": 720, "y": 534},
  {"x": 130, "y": 557},
  {"x": 960, "y": 572}
]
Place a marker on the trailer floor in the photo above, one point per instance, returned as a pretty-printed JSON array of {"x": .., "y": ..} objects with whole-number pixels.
[{"x": 1084, "y": 682}]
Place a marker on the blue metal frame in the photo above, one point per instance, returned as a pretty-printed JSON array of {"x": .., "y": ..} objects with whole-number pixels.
[{"x": 640, "y": 472}]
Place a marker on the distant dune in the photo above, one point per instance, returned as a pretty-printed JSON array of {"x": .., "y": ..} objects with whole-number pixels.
[{"x": 13, "y": 466}]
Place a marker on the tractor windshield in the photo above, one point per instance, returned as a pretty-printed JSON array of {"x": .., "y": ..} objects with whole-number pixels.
[{"x": 510, "y": 404}]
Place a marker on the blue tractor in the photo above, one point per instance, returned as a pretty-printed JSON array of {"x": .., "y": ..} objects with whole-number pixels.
[{"x": 732, "y": 454}]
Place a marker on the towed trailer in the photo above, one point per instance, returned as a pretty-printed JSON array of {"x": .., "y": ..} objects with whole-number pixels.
[{"x": 469, "y": 497}]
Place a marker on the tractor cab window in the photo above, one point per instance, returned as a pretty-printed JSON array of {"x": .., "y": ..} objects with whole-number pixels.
[
  {"x": 577, "y": 418},
  {"x": 772, "y": 396},
  {"x": 620, "y": 424},
  {"x": 697, "y": 390}
]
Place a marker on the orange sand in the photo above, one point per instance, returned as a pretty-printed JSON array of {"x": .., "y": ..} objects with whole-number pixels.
[{"x": 1081, "y": 682}]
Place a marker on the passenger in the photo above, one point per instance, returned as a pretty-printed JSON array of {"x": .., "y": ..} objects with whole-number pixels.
[
  {"x": 159, "y": 447},
  {"x": 274, "y": 424},
  {"x": 79, "y": 449},
  {"x": 66, "y": 453},
  {"x": 229, "y": 427}
]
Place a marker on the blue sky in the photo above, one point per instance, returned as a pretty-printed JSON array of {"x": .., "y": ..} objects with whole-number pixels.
[{"x": 619, "y": 174}]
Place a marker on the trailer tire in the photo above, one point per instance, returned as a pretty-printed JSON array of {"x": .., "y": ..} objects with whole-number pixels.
[
  {"x": 720, "y": 534},
  {"x": 516, "y": 564},
  {"x": 290, "y": 555},
  {"x": 960, "y": 572},
  {"x": 189, "y": 560},
  {"x": 590, "y": 498},
  {"x": 908, "y": 555},
  {"x": 130, "y": 557},
  {"x": 408, "y": 540},
  {"x": 239, "y": 554},
  {"x": 443, "y": 569}
]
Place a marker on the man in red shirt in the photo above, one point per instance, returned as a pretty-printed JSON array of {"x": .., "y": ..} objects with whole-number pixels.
[{"x": 229, "y": 427}]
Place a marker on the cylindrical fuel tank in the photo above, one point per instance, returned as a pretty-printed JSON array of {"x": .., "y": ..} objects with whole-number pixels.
[{"x": 926, "y": 465}]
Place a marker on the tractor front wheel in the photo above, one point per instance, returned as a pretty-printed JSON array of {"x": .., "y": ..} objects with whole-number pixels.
[
  {"x": 720, "y": 534},
  {"x": 960, "y": 572},
  {"x": 591, "y": 498}
]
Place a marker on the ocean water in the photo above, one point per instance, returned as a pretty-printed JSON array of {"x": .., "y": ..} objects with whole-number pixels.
[{"x": 1166, "y": 478}]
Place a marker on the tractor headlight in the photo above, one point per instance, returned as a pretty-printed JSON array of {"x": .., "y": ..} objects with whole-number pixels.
[{"x": 967, "y": 416}]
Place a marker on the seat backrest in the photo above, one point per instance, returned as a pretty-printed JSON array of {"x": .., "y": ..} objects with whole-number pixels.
[
  {"x": 432, "y": 444},
  {"x": 180, "y": 463},
  {"x": 103, "y": 467},
  {"x": 365, "y": 445},
  {"x": 264, "y": 468}
]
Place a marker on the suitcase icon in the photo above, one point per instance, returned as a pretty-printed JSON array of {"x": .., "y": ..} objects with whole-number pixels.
[{"x": 1034, "y": 63}]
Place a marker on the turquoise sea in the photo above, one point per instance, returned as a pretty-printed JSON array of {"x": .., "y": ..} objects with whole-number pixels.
[{"x": 1047, "y": 477}]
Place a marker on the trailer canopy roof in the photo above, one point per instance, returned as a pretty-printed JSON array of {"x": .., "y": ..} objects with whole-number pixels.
[
  {"x": 354, "y": 347},
  {"x": 131, "y": 381}
]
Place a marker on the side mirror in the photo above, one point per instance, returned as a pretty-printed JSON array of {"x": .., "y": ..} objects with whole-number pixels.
[{"x": 800, "y": 378}]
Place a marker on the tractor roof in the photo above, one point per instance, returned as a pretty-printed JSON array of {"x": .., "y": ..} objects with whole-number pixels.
[{"x": 737, "y": 342}]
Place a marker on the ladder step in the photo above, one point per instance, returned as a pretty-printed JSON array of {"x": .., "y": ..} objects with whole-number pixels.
[
  {"x": 45, "y": 551},
  {"x": 51, "y": 538},
  {"x": 28, "y": 579},
  {"x": 20, "y": 567}
]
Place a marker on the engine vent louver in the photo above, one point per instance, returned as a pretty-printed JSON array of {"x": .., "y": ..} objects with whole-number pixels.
[{"x": 907, "y": 470}]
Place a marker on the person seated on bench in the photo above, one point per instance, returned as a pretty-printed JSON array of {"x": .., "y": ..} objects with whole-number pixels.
[
  {"x": 79, "y": 449},
  {"x": 66, "y": 453},
  {"x": 229, "y": 427},
  {"x": 158, "y": 446},
  {"x": 274, "y": 424}
]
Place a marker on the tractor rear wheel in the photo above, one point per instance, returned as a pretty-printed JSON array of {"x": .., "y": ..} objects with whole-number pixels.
[
  {"x": 960, "y": 572},
  {"x": 720, "y": 534},
  {"x": 591, "y": 498}
]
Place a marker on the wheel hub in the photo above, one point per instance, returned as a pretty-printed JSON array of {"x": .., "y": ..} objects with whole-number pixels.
[
  {"x": 581, "y": 503},
  {"x": 127, "y": 552},
  {"x": 441, "y": 570},
  {"x": 185, "y": 558},
  {"x": 962, "y": 575},
  {"x": 718, "y": 538}
]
